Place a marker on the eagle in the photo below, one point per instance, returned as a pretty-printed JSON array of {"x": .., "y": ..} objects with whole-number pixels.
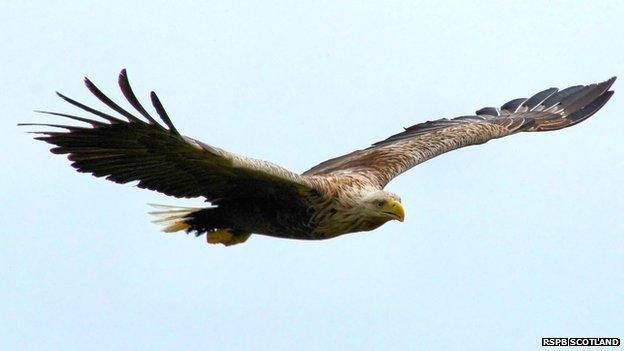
[{"x": 249, "y": 196}]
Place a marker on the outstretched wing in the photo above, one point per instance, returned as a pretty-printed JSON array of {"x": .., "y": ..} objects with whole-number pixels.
[
  {"x": 159, "y": 157},
  {"x": 547, "y": 110}
]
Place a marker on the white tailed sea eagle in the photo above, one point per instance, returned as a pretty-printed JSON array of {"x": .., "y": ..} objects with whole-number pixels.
[{"x": 339, "y": 196}]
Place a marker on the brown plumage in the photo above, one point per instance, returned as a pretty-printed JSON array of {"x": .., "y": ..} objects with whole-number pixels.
[{"x": 342, "y": 195}]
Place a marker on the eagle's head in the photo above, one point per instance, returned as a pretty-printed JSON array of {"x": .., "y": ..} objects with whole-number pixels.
[
  {"x": 382, "y": 206},
  {"x": 359, "y": 212}
]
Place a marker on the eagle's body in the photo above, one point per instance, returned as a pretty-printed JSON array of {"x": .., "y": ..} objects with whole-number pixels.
[
  {"x": 339, "y": 196},
  {"x": 330, "y": 207}
]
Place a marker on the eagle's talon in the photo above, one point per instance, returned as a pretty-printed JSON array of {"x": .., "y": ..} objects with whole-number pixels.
[{"x": 226, "y": 237}]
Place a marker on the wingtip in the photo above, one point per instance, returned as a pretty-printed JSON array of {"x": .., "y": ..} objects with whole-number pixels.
[
  {"x": 608, "y": 95},
  {"x": 89, "y": 84},
  {"x": 607, "y": 84},
  {"x": 610, "y": 81},
  {"x": 62, "y": 96},
  {"x": 123, "y": 76}
]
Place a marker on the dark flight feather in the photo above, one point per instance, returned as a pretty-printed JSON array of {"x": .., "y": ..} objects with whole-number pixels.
[{"x": 160, "y": 159}]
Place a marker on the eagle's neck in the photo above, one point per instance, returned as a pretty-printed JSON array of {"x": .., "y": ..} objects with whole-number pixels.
[{"x": 340, "y": 210}]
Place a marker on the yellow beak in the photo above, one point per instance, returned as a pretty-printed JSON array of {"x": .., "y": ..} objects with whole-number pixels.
[{"x": 394, "y": 209}]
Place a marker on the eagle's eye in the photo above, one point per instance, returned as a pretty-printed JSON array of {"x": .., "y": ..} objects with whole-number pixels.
[{"x": 380, "y": 203}]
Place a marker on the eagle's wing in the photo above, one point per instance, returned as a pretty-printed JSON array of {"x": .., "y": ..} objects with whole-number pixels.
[
  {"x": 160, "y": 158},
  {"x": 547, "y": 110}
]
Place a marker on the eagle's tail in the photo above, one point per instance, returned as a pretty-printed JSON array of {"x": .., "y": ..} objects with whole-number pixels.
[
  {"x": 198, "y": 220},
  {"x": 174, "y": 218}
]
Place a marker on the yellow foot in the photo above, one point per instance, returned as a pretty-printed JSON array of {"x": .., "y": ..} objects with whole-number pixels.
[{"x": 226, "y": 237}]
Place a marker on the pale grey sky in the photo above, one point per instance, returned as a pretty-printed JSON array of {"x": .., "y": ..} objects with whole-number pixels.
[{"x": 504, "y": 243}]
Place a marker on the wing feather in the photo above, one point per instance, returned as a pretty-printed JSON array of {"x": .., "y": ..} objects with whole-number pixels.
[
  {"x": 160, "y": 158},
  {"x": 547, "y": 110}
]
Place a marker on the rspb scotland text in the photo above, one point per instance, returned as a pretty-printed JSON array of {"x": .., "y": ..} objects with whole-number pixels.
[{"x": 580, "y": 341}]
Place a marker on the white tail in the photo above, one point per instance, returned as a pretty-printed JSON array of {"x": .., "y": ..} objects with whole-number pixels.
[{"x": 172, "y": 217}]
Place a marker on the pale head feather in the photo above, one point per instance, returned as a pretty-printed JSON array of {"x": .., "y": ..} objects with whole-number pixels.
[{"x": 354, "y": 212}]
